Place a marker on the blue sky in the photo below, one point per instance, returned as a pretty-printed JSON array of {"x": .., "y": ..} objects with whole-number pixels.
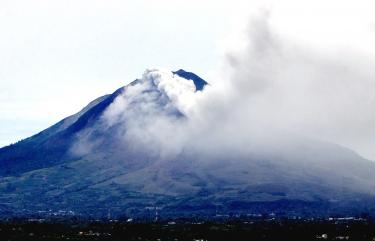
[{"x": 56, "y": 56}]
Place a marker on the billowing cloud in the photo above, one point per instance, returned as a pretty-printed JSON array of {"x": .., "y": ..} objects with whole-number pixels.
[
  {"x": 273, "y": 92},
  {"x": 286, "y": 85}
]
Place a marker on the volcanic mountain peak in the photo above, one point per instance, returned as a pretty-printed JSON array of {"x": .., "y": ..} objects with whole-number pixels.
[
  {"x": 129, "y": 150},
  {"x": 198, "y": 81},
  {"x": 157, "y": 91}
]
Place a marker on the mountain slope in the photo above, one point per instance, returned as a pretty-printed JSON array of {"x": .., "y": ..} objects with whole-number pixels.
[
  {"x": 52, "y": 145},
  {"x": 100, "y": 159}
]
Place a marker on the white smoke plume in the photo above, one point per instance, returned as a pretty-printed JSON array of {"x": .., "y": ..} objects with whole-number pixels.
[
  {"x": 148, "y": 113},
  {"x": 267, "y": 96}
]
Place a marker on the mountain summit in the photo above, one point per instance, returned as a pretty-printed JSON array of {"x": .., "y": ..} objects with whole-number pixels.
[{"x": 127, "y": 152}]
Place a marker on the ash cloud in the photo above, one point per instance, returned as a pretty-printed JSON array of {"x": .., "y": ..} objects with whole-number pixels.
[
  {"x": 268, "y": 97},
  {"x": 278, "y": 90}
]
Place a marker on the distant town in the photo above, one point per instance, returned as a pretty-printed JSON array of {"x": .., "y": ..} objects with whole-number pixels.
[{"x": 64, "y": 225}]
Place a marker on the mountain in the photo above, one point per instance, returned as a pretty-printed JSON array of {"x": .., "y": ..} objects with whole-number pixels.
[{"x": 102, "y": 160}]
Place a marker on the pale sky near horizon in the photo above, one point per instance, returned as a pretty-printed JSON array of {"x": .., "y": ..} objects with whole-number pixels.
[{"x": 57, "y": 56}]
